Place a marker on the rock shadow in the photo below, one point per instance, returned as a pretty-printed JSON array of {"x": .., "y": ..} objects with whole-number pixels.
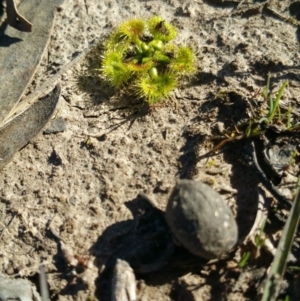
[{"x": 146, "y": 244}]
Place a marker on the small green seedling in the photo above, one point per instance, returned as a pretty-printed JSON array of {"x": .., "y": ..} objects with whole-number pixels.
[
  {"x": 285, "y": 120},
  {"x": 259, "y": 242},
  {"x": 274, "y": 109},
  {"x": 140, "y": 54}
]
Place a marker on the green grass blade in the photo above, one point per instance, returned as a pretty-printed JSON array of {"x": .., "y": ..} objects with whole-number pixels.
[
  {"x": 266, "y": 90},
  {"x": 275, "y": 104},
  {"x": 244, "y": 260},
  {"x": 289, "y": 117},
  {"x": 271, "y": 108}
]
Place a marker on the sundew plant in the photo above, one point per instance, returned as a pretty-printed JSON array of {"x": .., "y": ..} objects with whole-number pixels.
[{"x": 140, "y": 54}]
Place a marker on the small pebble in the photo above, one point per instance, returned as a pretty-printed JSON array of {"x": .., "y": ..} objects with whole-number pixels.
[
  {"x": 57, "y": 125},
  {"x": 200, "y": 220}
]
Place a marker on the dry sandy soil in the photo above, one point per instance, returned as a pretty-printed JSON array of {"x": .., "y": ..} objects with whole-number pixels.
[{"x": 84, "y": 181}]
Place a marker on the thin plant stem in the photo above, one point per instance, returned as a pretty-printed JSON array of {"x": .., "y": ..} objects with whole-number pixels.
[
  {"x": 279, "y": 263},
  {"x": 43, "y": 284}
]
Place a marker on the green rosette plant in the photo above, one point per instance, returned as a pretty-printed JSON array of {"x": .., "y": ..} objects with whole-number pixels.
[{"x": 141, "y": 54}]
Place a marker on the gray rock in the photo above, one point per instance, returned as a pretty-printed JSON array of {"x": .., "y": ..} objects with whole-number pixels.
[
  {"x": 17, "y": 289},
  {"x": 57, "y": 125},
  {"x": 200, "y": 220}
]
